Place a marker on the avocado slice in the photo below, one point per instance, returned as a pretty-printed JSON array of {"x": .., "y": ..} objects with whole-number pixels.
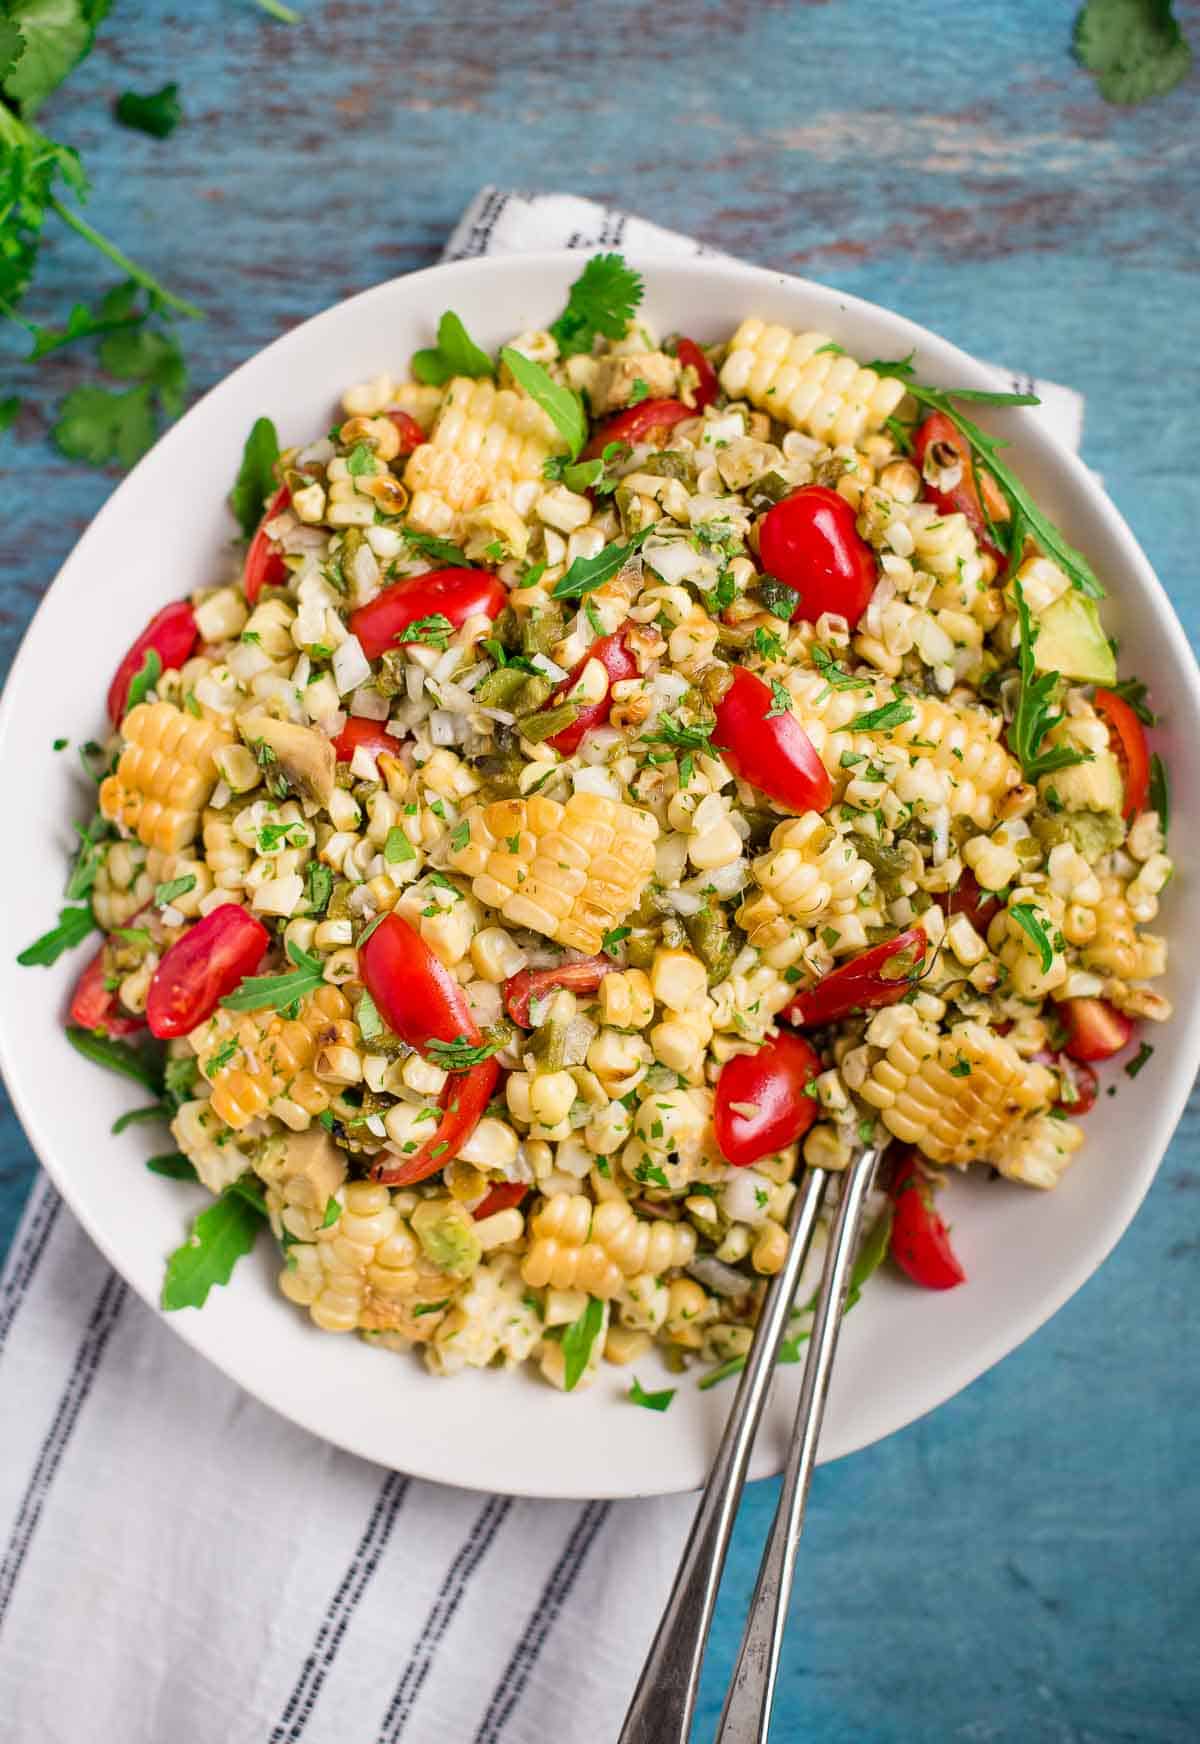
[{"x": 1070, "y": 640}]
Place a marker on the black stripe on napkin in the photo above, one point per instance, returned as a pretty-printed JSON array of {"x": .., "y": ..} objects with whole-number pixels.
[
  {"x": 554, "y": 1596},
  {"x": 25, "y": 1259},
  {"x": 441, "y": 1614},
  {"x": 353, "y": 1584},
  {"x": 71, "y": 1402}
]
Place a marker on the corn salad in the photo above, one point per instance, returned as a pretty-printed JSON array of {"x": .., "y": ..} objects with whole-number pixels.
[{"x": 555, "y": 782}]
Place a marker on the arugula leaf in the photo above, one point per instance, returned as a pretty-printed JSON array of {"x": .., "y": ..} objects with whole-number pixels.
[
  {"x": 99, "y": 426},
  {"x": 255, "y": 481},
  {"x": 882, "y": 720},
  {"x": 1160, "y": 793},
  {"x": 220, "y": 1236},
  {"x": 117, "y": 1056},
  {"x": 263, "y": 992},
  {"x": 1136, "y": 694},
  {"x": 174, "y": 1165},
  {"x": 638, "y": 1395},
  {"x": 561, "y": 406},
  {"x": 136, "y": 1116},
  {"x": 165, "y": 894},
  {"x": 589, "y": 573},
  {"x": 437, "y": 550},
  {"x": 577, "y": 1342},
  {"x": 582, "y": 475},
  {"x": 1136, "y": 47},
  {"x": 1027, "y": 517},
  {"x": 456, "y": 353},
  {"x": 88, "y": 860},
  {"x": 601, "y": 302},
  {"x": 144, "y": 679},
  {"x": 56, "y": 34},
  {"x": 158, "y": 113},
  {"x": 1028, "y": 919},
  {"x": 74, "y": 925},
  {"x": 10, "y": 405},
  {"x": 1035, "y": 712}
]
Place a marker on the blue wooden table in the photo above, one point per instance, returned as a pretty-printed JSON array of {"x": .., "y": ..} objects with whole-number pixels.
[{"x": 1019, "y": 1567}]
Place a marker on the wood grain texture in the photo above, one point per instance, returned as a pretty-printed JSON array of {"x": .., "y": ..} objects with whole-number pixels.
[{"x": 1019, "y": 1566}]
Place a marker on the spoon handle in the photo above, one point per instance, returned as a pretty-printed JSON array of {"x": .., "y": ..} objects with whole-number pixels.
[{"x": 663, "y": 1702}]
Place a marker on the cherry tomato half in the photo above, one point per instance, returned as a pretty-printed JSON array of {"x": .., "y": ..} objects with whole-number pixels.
[
  {"x": 649, "y": 422},
  {"x": 95, "y": 1006},
  {"x": 204, "y": 964},
  {"x": 372, "y": 736},
  {"x": 613, "y": 654},
  {"x": 502, "y": 1197},
  {"x": 528, "y": 984},
  {"x": 967, "y": 898},
  {"x": 410, "y": 432},
  {"x": 464, "y": 1098},
  {"x": 939, "y": 431},
  {"x": 772, "y": 1083},
  {"x": 415, "y": 993},
  {"x": 455, "y": 594},
  {"x": 876, "y": 977},
  {"x": 707, "y": 386},
  {"x": 264, "y": 565},
  {"x": 1128, "y": 740},
  {"x": 1095, "y": 1029},
  {"x": 171, "y": 634},
  {"x": 920, "y": 1241},
  {"x": 768, "y": 747},
  {"x": 810, "y": 542},
  {"x": 1080, "y": 1084}
]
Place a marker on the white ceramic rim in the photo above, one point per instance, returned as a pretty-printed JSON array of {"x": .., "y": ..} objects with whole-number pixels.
[{"x": 469, "y": 1461}]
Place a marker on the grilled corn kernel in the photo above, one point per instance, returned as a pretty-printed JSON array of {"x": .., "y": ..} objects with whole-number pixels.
[
  {"x": 801, "y": 379},
  {"x": 259, "y": 1062},
  {"x": 164, "y": 777},
  {"x": 486, "y": 440},
  {"x": 578, "y": 1245}
]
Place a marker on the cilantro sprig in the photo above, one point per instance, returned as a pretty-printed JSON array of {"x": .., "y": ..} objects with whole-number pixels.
[
  {"x": 461, "y": 1055},
  {"x": 157, "y": 113},
  {"x": 600, "y": 304},
  {"x": 1135, "y": 47}
]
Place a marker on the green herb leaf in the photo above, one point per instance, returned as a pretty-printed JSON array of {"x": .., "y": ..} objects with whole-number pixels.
[
  {"x": 1036, "y": 711},
  {"x": 1028, "y": 919},
  {"x": 219, "y": 1238},
  {"x": 612, "y": 939},
  {"x": 174, "y": 1165},
  {"x": 366, "y": 1016},
  {"x": 158, "y": 113},
  {"x": 777, "y": 597},
  {"x": 88, "y": 860},
  {"x": 781, "y": 701},
  {"x": 397, "y": 848},
  {"x": 651, "y": 1401},
  {"x": 10, "y": 405},
  {"x": 601, "y": 302},
  {"x": 577, "y": 1342},
  {"x": 142, "y": 354},
  {"x": 882, "y": 720},
  {"x": 272, "y": 992},
  {"x": 117, "y": 1056},
  {"x": 318, "y": 886},
  {"x": 833, "y": 674},
  {"x": 1160, "y": 793},
  {"x": 437, "y": 550},
  {"x": 588, "y": 573},
  {"x": 680, "y": 735},
  {"x": 164, "y": 894},
  {"x": 74, "y": 925},
  {"x": 99, "y": 426},
  {"x": 56, "y": 34},
  {"x": 561, "y": 406},
  {"x": 1136, "y": 694},
  {"x": 1136, "y": 47},
  {"x": 255, "y": 481},
  {"x": 460, "y": 1054},
  {"x": 136, "y": 1116},
  {"x": 1134, "y": 1066},
  {"x": 456, "y": 353},
  {"x": 434, "y": 631}
]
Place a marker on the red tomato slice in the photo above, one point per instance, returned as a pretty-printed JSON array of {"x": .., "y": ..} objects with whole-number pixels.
[
  {"x": 1082, "y": 1084},
  {"x": 528, "y": 984},
  {"x": 963, "y": 498},
  {"x": 415, "y": 993},
  {"x": 979, "y": 906},
  {"x": 618, "y": 662},
  {"x": 920, "y": 1241},
  {"x": 810, "y": 542},
  {"x": 171, "y": 634},
  {"x": 1095, "y": 1029},
  {"x": 874, "y": 978},
  {"x": 502, "y": 1197},
  {"x": 456, "y": 594},
  {"x": 264, "y": 565},
  {"x": 410, "y": 432},
  {"x": 772, "y": 1082},
  {"x": 769, "y": 750},
  {"x": 707, "y": 386},
  {"x": 372, "y": 736},
  {"x": 463, "y": 1101},
  {"x": 649, "y": 422},
  {"x": 94, "y": 1006},
  {"x": 204, "y": 964},
  {"x": 1128, "y": 740}
]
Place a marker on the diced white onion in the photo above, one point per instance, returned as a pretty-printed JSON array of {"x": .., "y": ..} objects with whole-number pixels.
[
  {"x": 414, "y": 683},
  {"x": 672, "y": 559},
  {"x": 246, "y": 659},
  {"x": 597, "y": 780},
  {"x": 363, "y": 764},
  {"x": 548, "y": 667},
  {"x": 350, "y": 665},
  {"x": 444, "y": 728},
  {"x": 369, "y": 704}
]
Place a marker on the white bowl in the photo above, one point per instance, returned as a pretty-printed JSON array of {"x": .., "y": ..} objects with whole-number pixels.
[{"x": 904, "y": 1351}]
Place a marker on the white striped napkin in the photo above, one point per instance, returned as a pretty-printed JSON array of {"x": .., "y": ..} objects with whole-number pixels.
[{"x": 178, "y": 1564}]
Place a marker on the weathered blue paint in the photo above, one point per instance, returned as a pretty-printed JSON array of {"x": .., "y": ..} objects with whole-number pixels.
[{"x": 1018, "y": 1567}]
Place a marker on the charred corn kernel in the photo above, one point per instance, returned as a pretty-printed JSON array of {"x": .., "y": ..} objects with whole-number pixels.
[
  {"x": 671, "y": 1121},
  {"x": 1113, "y": 950},
  {"x": 571, "y": 872},
  {"x": 1042, "y": 582},
  {"x": 1039, "y": 1152},
  {"x": 165, "y": 774},
  {"x": 1142, "y": 892},
  {"x": 680, "y": 1039},
  {"x": 994, "y": 864},
  {"x": 626, "y": 999},
  {"x": 238, "y": 768},
  {"x": 485, "y": 441},
  {"x": 678, "y": 979},
  {"x": 770, "y": 1249},
  {"x": 959, "y": 1096},
  {"x": 495, "y": 955},
  {"x": 607, "y": 1130},
  {"x": 810, "y": 872},
  {"x": 826, "y": 1147},
  {"x": 802, "y": 380},
  {"x": 259, "y": 1062},
  {"x": 581, "y": 1246},
  {"x": 689, "y": 1309}
]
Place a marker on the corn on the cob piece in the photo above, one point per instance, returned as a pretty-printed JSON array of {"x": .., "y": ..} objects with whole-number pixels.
[
  {"x": 165, "y": 775},
  {"x": 569, "y": 871},
  {"x": 1039, "y": 1152},
  {"x": 960, "y": 1097},
  {"x": 580, "y": 1246},
  {"x": 809, "y": 872},
  {"x": 258, "y": 1060},
  {"x": 485, "y": 441},
  {"x": 366, "y": 1272},
  {"x": 959, "y": 742},
  {"x": 795, "y": 378}
]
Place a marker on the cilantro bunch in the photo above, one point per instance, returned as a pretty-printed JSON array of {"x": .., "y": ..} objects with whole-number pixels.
[{"x": 1135, "y": 48}]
